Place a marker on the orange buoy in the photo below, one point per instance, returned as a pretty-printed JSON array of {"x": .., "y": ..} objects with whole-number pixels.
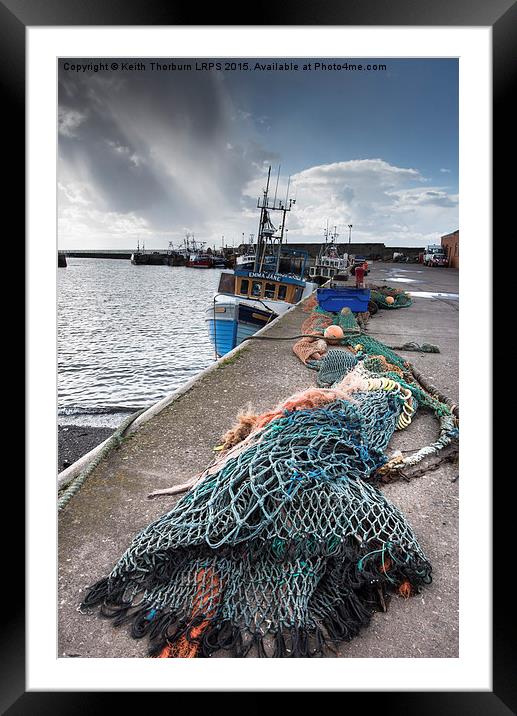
[
  {"x": 390, "y": 299},
  {"x": 334, "y": 333}
]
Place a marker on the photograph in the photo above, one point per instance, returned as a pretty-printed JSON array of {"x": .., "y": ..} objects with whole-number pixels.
[{"x": 258, "y": 267}]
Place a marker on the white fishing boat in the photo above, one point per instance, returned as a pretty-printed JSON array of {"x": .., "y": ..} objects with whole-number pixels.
[
  {"x": 330, "y": 262},
  {"x": 249, "y": 298}
]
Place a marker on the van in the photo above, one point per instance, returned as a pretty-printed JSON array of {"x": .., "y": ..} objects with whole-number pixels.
[{"x": 435, "y": 256}]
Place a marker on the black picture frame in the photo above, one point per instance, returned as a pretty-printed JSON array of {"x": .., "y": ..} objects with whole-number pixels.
[{"x": 501, "y": 15}]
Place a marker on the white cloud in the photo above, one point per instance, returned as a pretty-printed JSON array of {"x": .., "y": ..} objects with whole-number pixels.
[
  {"x": 81, "y": 218},
  {"x": 124, "y": 151},
  {"x": 445, "y": 171},
  {"x": 383, "y": 202},
  {"x": 407, "y": 199},
  {"x": 68, "y": 120}
]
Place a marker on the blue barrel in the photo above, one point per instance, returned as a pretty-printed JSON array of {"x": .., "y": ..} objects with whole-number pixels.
[{"x": 334, "y": 299}]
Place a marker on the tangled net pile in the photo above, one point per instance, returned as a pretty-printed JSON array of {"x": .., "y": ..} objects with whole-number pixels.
[
  {"x": 286, "y": 545},
  {"x": 379, "y": 294}
]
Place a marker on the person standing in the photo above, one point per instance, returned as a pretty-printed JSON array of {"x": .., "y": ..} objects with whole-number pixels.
[{"x": 359, "y": 276}]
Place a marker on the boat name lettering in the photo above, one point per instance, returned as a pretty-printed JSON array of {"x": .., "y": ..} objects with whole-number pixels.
[{"x": 269, "y": 276}]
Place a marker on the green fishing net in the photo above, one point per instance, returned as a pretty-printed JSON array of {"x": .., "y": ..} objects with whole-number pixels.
[
  {"x": 287, "y": 545},
  {"x": 379, "y": 294},
  {"x": 285, "y": 549}
]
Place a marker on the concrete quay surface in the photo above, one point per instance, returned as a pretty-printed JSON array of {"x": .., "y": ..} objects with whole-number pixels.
[{"x": 98, "y": 524}]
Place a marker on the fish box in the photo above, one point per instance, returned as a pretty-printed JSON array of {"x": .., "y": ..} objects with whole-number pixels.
[{"x": 335, "y": 299}]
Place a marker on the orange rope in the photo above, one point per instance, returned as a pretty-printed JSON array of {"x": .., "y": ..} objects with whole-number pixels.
[
  {"x": 405, "y": 589},
  {"x": 187, "y": 646},
  {"x": 385, "y": 565}
]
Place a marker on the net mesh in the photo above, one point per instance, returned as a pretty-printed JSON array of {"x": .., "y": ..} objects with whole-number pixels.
[
  {"x": 274, "y": 542},
  {"x": 379, "y": 294}
]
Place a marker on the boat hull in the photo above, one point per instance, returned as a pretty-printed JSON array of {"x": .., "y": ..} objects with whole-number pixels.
[{"x": 231, "y": 321}]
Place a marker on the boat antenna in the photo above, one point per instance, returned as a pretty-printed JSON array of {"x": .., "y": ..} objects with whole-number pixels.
[{"x": 276, "y": 188}]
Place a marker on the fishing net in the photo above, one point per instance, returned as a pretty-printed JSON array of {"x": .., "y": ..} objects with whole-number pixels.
[
  {"x": 285, "y": 544},
  {"x": 310, "y": 303},
  {"x": 317, "y": 321},
  {"x": 309, "y": 349},
  {"x": 333, "y": 367},
  {"x": 365, "y": 344},
  {"x": 379, "y": 360},
  {"x": 285, "y": 548},
  {"x": 347, "y": 321},
  {"x": 379, "y": 294}
]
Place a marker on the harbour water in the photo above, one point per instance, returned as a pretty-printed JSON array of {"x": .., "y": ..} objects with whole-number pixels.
[{"x": 127, "y": 336}]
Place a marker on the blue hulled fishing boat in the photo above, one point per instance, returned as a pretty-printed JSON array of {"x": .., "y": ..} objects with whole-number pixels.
[{"x": 249, "y": 297}]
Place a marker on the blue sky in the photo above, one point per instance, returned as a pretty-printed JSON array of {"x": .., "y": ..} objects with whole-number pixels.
[
  {"x": 407, "y": 115},
  {"x": 151, "y": 155}
]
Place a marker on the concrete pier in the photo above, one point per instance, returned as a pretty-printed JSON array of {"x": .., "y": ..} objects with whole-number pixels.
[{"x": 177, "y": 443}]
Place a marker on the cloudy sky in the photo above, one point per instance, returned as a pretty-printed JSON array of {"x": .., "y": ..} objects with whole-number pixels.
[{"x": 148, "y": 154}]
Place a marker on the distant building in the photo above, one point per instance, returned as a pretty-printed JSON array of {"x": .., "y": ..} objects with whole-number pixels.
[{"x": 451, "y": 246}]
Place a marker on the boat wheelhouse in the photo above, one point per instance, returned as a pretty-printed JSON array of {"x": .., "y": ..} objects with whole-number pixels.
[
  {"x": 247, "y": 261},
  {"x": 329, "y": 262},
  {"x": 247, "y": 301}
]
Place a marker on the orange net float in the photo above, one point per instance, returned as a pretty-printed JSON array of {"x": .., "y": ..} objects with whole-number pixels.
[
  {"x": 333, "y": 334},
  {"x": 389, "y": 299}
]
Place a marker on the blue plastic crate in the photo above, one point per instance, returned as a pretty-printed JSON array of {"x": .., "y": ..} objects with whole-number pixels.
[{"x": 334, "y": 299}]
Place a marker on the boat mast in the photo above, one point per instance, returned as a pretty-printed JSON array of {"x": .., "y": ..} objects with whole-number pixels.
[
  {"x": 261, "y": 240},
  {"x": 266, "y": 228},
  {"x": 284, "y": 208}
]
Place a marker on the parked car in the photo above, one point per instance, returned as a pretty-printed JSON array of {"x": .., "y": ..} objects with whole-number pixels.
[{"x": 359, "y": 261}]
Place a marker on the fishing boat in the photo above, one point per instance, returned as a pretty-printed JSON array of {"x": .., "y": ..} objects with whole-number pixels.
[
  {"x": 219, "y": 261},
  {"x": 196, "y": 256},
  {"x": 248, "y": 298},
  {"x": 145, "y": 257},
  {"x": 168, "y": 257},
  {"x": 246, "y": 260},
  {"x": 330, "y": 262},
  {"x": 176, "y": 256}
]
